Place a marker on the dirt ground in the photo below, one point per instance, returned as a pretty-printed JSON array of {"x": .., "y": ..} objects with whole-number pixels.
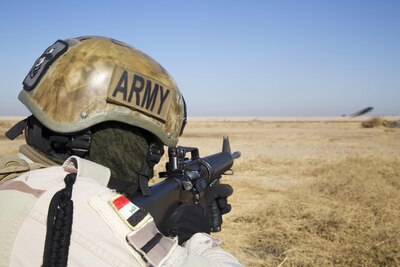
[{"x": 308, "y": 191}]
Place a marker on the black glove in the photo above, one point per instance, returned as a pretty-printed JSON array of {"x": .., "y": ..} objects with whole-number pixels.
[
  {"x": 189, "y": 219},
  {"x": 219, "y": 193},
  {"x": 185, "y": 221},
  {"x": 216, "y": 198}
]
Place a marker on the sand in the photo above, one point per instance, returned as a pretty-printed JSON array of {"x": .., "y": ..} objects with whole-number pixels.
[{"x": 318, "y": 191}]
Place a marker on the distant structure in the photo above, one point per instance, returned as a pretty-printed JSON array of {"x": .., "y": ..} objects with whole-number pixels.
[{"x": 361, "y": 112}]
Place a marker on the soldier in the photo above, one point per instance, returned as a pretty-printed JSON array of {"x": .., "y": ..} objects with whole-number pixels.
[{"x": 101, "y": 113}]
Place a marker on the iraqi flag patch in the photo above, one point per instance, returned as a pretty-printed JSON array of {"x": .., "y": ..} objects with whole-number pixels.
[{"x": 132, "y": 215}]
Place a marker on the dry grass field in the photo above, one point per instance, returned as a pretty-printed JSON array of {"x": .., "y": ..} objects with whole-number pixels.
[{"x": 308, "y": 191}]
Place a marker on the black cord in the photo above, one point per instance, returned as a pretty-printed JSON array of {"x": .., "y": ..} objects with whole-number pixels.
[{"x": 59, "y": 226}]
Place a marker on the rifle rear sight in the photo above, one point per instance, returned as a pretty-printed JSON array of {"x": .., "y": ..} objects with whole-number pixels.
[{"x": 197, "y": 173}]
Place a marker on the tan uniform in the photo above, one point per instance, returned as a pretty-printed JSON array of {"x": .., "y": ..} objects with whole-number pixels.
[{"x": 98, "y": 233}]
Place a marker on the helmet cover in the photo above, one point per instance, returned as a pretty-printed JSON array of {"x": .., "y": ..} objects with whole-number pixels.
[{"x": 81, "y": 82}]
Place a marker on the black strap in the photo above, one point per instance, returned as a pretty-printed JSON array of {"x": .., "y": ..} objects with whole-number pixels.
[
  {"x": 57, "y": 145},
  {"x": 59, "y": 225},
  {"x": 144, "y": 185},
  {"x": 151, "y": 243},
  {"x": 154, "y": 155},
  {"x": 80, "y": 144},
  {"x": 16, "y": 130},
  {"x": 137, "y": 217}
]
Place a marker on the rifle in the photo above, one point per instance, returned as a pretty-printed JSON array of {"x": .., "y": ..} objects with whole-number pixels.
[{"x": 185, "y": 182}]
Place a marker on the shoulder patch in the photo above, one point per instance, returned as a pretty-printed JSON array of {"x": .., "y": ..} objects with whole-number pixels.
[
  {"x": 132, "y": 215},
  {"x": 139, "y": 92}
]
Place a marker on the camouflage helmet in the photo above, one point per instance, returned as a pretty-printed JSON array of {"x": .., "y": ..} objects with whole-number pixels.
[{"x": 81, "y": 82}]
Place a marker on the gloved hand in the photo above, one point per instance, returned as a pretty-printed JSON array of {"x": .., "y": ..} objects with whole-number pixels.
[
  {"x": 189, "y": 219},
  {"x": 219, "y": 193},
  {"x": 185, "y": 221}
]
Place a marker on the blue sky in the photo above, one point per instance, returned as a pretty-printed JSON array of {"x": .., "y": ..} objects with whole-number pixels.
[{"x": 229, "y": 58}]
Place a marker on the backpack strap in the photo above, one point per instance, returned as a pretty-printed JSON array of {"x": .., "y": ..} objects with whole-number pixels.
[
  {"x": 35, "y": 156},
  {"x": 12, "y": 166}
]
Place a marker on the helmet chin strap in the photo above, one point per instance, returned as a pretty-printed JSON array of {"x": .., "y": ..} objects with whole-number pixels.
[{"x": 154, "y": 155}]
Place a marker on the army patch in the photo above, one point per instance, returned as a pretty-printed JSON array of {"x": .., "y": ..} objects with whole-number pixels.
[
  {"x": 132, "y": 215},
  {"x": 139, "y": 92}
]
